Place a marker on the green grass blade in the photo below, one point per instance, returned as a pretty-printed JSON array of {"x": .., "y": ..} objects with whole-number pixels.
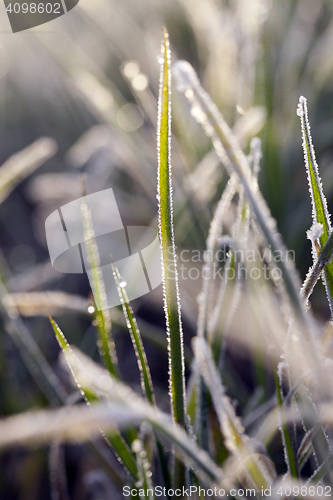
[
  {"x": 170, "y": 280},
  {"x": 102, "y": 314},
  {"x": 117, "y": 442},
  {"x": 320, "y": 212},
  {"x": 146, "y": 381},
  {"x": 170, "y": 283},
  {"x": 134, "y": 409},
  {"x": 286, "y": 439},
  {"x": 236, "y": 441}
]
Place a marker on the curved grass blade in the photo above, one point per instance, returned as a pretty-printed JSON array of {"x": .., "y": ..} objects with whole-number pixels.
[
  {"x": 79, "y": 423},
  {"x": 146, "y": 380},
  {"x": 170, "y": 283},
  {"x": 118, "y": 444},
  {"x": 231, "y": 155},
  {"x": 23, "y": 163},
  {"x": 135, "y": 409},
  {"x": 320, "y": 212},
  {"x": 321, "y": 263}
]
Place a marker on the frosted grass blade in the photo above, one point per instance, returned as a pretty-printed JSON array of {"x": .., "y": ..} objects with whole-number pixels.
[
  {"x": 21, "y": 164},
  {"x": 80, "y": 423},
  {"x": 320, "y": 214},
  {"x": 41, "y": 371},
  {"x": 134, "y": 409},
  {"x": 102, "y": 314},
  {"x": 144, "y": 472},
  {"x": 231, "y": 155},
  {"x": 47, "y": 302},
  {"x": 315, "y": 272},
  {"x": 118, "y": 444},
  {"x": 146, "y": 380},
  {"x": 170, "y": 283},
  {"x": 236, "y": 441}
]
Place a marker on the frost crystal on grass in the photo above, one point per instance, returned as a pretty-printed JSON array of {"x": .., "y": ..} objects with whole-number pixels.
[{"x": 315, "y": 232}]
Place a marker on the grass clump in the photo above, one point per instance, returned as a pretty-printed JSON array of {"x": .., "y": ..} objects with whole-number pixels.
[{"x": 207, "y": 441}]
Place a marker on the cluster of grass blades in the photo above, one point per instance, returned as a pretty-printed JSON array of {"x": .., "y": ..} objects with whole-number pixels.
[{"x": 205, "y": 443}]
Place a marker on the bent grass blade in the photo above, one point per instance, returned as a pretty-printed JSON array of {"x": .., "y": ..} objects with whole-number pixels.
[
  {"x": 146, "y": 380},
  {"x": 231, "y": 155},
  {"x": 23, "y": 163},
  {"x": 134, "y": 409},
  {"x": 320, "y": 214},
  {"x": 118, "y": 444}
]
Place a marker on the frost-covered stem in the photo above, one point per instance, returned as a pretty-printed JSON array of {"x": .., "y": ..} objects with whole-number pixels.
[
  {"x": 233, "y": 157},
  {"x": 170, "y": 280},
  {"x": 320, "y": 214},
  {"x": 102, "y": 314}
]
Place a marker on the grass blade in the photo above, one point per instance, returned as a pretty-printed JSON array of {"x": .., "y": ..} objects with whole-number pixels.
[
  {"x": 231, "y": 155},
  {"x": 320, "y": 214},
  {"x": 170, "y": 283},
  {"x": 166, "y": 231},
  {"x": 79, "y": 423},
  {"x": 321, "y": 263},
  {"x": 47, "y": 302},
  {"x": 146, "y": 380},
  {"x": 285, "y": 434},
  {"x": 21, "y": 164},
  {"x": 102, "y": 314},
  {"x": 135, "y": 409},
  {"x": 118, "y": 444},
  {"x": 236, "y": 441}
]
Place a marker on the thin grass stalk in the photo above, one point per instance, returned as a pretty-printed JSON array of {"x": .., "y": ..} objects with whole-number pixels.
[
  {"x": 166, "y": 231},
  {"x": 127, "y": 408},
  {"x": 285, "y": 434},
  {"x": 102, "y": 314},
  {"x": 116, "y": 441},
  {"x": 320, "y": 214},
  {"x": 233, "y": 157},
  {"x": 236, "y": 441},
  {"x": 132, "y": 325},
  {"x": 146, "y": 380}
]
